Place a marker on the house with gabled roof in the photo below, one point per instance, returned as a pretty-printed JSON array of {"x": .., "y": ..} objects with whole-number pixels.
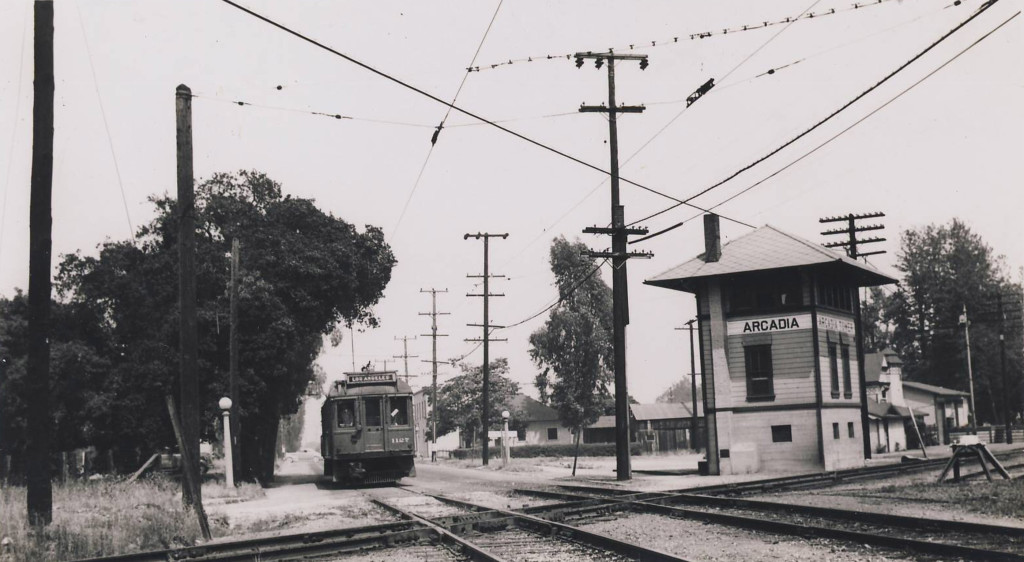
[
  {"x": 538, "y": 424},
  {"x": 780, "y": 350}
]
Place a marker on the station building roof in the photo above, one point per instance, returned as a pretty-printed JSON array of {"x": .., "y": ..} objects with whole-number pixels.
[
  {"x": 532, "y": 410},
  {"x": 766, "y": 248},
  {"x": 932, "y": 389}
]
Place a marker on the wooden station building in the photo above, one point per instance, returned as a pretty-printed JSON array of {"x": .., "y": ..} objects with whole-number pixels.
[{"x": 780, "y": 349}]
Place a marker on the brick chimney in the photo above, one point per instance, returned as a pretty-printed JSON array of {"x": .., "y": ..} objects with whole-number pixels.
[{"x": 712, "y": 238}]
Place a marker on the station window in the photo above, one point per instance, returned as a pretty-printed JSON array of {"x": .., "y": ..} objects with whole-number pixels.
[
  {"x": 521, "y": 434},
  {"x": 758, "y": 359},
  {"x": 834, "y": 295},
  {"x": 346, "y": 410},
  {"x": 833, "y": 368},
  {"x": 849, "y": 428},
  {"x": 766, "y": 293},
  {"x": 552, "y": 434},
  {"x": 847, "y": 380},
  {"x": 782, "y": 433},
  {"x": 835, "y": 430},
  {"x": 398, "y": 410},
  {"x": 373, "y": 417}
]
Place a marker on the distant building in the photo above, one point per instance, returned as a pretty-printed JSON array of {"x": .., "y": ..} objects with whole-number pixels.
[
  {"x": 943, "y": 408},
  {"x": 660, "y": 427},
  {"x": 538, "y": 424},
  {"x": 421, "y": 415},
  {"x": 780, "y": 346}
]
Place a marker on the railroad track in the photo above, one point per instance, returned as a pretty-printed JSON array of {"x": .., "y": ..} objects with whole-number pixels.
[{"x": 468, "y": 531}]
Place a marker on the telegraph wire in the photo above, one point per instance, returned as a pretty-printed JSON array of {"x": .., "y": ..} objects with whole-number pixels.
[
  {"x": 695, "y": 36},
  {"x": 437, "y": 131},
  {"x": 455, "y": 107},
  {"x": 106, "y": 126},
  {"x": 984, "y": 7},
  {"x": 837, "y": 135}
]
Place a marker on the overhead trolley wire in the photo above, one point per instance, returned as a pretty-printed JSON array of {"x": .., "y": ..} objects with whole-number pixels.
[
  {"x": 455, "y": 107},
  {"x": 984, "y": 7},
  {"x": 106, "y": 126},
  {"x": 14, "y": 130},
  {"x": 437, "y": 131},
  {"x": 837, "y": 135}
]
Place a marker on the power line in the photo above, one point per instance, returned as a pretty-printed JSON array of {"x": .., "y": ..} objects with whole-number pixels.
[
  {"x": 675, "y": 40},
  {"x": 455, "y": 107},
  {"x": 337, "y": 116},
  {"x": 980, "y": 11},
  {"x": 561, "y": 299},
  {"x": 662, "y": 130},
  {"x": 837, "y": 135}
]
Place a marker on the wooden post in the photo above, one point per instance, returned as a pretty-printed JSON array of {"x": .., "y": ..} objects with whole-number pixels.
[
  {"x": 190, "y": 480},
  {"x": 188, "y": 367},
  {"x": 40, "y": 489}
]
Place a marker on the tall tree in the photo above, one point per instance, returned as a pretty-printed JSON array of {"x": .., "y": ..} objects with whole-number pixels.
[
  {"x": 458, "y": 400},
  {"x": 305, "y": 271},
  {"x": 575, "y": 344},
  {"x": 945, "y": 268}
]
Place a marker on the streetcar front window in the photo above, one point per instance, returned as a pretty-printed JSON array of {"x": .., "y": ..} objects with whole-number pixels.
[
  {"x": 398, "y": 410},
  {"x": 346, "y": 413},
  {"x": 373, "y": 418}
]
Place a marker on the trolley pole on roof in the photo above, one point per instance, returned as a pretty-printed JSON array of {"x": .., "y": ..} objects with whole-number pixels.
[
  {"x": 485, "y": 411},
  {"x": 433, "y": 358},
  {"x": 618, "y": 255}
]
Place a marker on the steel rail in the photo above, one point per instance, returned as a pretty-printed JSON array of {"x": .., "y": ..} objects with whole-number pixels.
[
  {"x": 444, "y": 536},
  {"x": 559, "y": 530},
  {"x": 386, "y": 534},
  {"x": 781, "y": 527}
]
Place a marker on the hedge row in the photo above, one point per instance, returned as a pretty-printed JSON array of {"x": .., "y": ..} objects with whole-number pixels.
[{"x": 532, "y": 451}]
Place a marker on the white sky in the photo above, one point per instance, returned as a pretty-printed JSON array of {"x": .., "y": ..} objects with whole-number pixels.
[{"x": 951, "y": 147}]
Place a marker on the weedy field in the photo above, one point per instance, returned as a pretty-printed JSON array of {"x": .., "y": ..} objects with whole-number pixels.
[{"x": 106, "y": 517}]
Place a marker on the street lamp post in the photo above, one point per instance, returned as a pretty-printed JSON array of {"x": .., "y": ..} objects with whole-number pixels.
[
  {"x": 504, "y": 438},
  {"x": 229, "y": 469},
  {"x": 970, "y": 374}
]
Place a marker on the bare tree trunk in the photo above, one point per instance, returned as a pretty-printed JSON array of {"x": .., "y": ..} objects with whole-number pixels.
[{"x": 576, "y": 458}]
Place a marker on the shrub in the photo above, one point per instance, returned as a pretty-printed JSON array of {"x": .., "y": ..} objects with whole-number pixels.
[{"x": 533, "y": 451}]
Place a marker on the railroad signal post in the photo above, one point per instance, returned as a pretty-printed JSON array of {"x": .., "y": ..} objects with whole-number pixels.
[
  {"x": 433, "y": 359},
  {"x": 486, "y": 295},
  {"x": 619, "y": 233},
  {"x": 693, "y": 385}
]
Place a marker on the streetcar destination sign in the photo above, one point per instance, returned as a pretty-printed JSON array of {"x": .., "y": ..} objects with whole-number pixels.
[{"x": 369, "y": 378}]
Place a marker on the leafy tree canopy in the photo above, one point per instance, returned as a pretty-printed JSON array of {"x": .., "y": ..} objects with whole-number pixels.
[
  {"x": 575, "y": 344},
  {"x": 303, "y": 272},
  {"x": 459, "y": 400},
  {"x": 946, "y": 267}
]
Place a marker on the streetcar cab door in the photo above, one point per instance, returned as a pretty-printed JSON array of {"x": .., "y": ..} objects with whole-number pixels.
[
  {"x": 373, "y": 424},
  {"x": 347, "y": 432}
]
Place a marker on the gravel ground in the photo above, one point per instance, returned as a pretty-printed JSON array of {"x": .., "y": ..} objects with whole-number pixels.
[
  {"x": 419, "y": 553},
  {"x": 423, "y": 506},
  {"x": 703, "y": 542},
  {"x": 519, "y": 545}
]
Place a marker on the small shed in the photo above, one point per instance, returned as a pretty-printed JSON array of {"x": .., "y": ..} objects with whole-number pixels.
[{"x": 539, "y": 424}]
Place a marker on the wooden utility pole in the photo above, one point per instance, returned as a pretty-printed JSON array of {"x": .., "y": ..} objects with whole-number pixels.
[
  {"x": 693, "y": 385},
  {"x": 405, "y": 354},
  {"x": 1002, "y": 369},
  {"x": 966, "y": 323},
  {"x": 188, "y": 340},
  {"x": 619, "y": 233},
  {"x": 40, "y": 491},
  {"x": 433, "y": 358},
  {"x": 485, "y": 410},
  {"x": 233, "y": 354}
]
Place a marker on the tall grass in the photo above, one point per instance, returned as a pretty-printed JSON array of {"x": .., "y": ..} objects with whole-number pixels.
[{"x": 101, "y": 518}]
